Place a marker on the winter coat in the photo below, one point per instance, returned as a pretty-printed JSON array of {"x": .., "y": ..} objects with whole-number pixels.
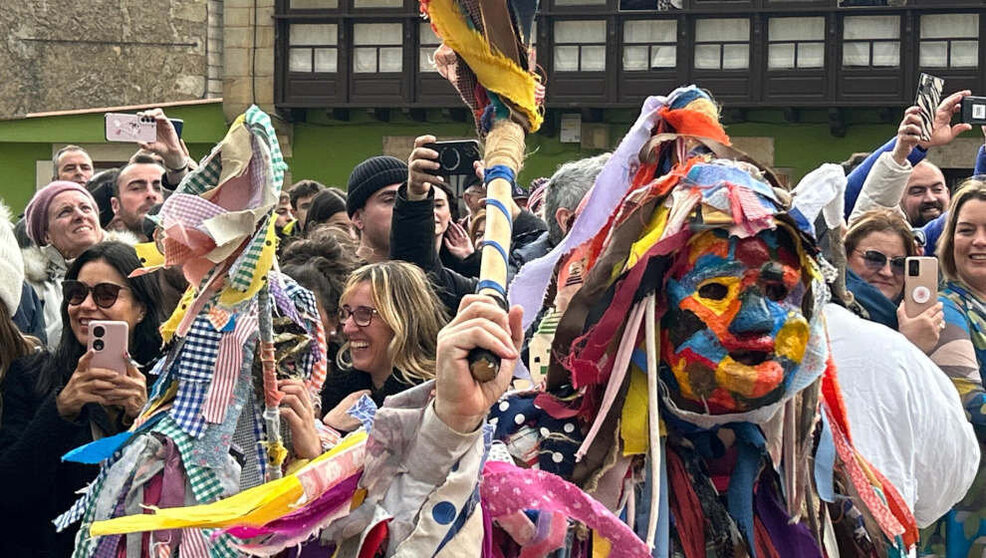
[
  {"x": 30, "y": 314},
  {"x": 412, "y": 239}
]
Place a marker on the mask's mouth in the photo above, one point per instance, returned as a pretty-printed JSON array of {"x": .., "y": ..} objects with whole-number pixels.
[{"x": 749, "y": 358}]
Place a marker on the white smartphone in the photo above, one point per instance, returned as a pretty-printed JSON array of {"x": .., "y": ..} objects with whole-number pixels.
[
  {"x": 109, "y": 339},
  {"x": 130, "y": 128}
]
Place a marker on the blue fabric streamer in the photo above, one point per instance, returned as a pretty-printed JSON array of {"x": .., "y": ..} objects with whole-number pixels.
[
  {"x": 825, "y": 463},
  {"x": 801, "y": 221},
  {"x": 95, "y": 452},
  {"x": 364, "y": 410},
  {"x": 750, "y": 446}
]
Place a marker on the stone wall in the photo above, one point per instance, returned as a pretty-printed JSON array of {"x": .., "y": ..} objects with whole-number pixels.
[{"x": 66, "y": 54}]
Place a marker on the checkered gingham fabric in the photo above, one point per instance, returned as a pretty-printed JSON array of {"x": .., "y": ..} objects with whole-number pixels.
[
  {"x": 266, "y": 147},
  {"x": 200, "y": 350}
]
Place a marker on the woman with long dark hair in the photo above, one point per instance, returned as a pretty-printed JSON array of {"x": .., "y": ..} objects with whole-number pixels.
[{"x": 56, "y": 401}]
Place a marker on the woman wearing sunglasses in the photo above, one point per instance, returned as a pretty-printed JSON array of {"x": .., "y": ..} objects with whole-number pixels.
[
  {"x": 56, "y": 401},
  {"x": 877, "y": 245},
  {"x": 391, "y": 318}
]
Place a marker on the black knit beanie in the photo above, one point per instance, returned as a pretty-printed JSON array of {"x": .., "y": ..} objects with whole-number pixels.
[{"x": 372, "y": 175}]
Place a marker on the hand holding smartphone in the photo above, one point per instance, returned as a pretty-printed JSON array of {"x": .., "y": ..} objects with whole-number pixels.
[{"x": 109, "y": 341}]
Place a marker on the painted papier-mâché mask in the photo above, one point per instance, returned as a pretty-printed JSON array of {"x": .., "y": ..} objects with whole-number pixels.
[{"x": 734, "y": 332}]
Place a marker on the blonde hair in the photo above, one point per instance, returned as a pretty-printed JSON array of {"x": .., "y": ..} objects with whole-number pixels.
[
  {"x": 971, "y": 189},
  {"x": 406, "y": 302},
  {"x": 880, "y": 220}
]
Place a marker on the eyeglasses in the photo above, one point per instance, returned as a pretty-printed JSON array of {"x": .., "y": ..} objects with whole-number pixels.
[
  {"x": 875, "y": 261},
  {"x": 362, "y": 315},
  {"x": 103, "y": 294}
]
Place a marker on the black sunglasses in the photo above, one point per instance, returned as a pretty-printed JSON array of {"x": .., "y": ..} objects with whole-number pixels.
[
  {"x": 875, "y": 260},
  {"x": 103, "y": 294},
  {"x": 362, "y": 315}
]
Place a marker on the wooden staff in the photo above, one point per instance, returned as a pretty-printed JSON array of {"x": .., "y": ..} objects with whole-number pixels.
[{"x": 504, "y": 149}]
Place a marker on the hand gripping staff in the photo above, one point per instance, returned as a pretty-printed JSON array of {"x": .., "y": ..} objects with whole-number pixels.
[{"x": 486, "y": 54}]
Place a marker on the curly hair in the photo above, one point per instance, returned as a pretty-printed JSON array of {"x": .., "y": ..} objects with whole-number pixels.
[{"x": 322, "y": 262}]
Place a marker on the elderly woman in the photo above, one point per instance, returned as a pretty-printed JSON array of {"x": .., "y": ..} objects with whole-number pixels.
[
  {"x": 877, "y": 246},
  {"x": 55, "y": 401},
  {"x": 961, "y": 353},
  {"x": 63, "y": 221}
]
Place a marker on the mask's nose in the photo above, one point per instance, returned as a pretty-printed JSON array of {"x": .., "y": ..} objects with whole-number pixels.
[{"x": 753, "y": 316}]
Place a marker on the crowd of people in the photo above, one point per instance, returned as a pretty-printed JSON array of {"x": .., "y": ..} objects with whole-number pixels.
[{"x": 392, "y": 260}]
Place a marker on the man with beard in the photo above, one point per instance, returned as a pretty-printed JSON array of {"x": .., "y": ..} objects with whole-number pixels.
[
  {"x": 926, "y": 195},
  {"x": 138, "y": 189}
]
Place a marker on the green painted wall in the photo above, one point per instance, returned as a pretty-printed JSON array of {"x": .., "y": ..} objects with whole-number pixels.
[
  {"x": 26, "y": 140},
  {"x": 327, "y": 150}
]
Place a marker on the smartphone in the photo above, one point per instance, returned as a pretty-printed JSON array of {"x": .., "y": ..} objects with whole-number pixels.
[
  {"x": 927, "y": 99},
  {"x": 179, "y": 124},
  {"x": 920, "y": 284},
  {"x": 456, "y": 157},
  {"x": 109, "y": 339},
  {"x": 974, "y": 110},
  {"x": 130, "y": 128}
]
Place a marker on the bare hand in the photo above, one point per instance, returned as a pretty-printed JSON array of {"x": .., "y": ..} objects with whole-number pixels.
[
  {"x": 457, "y": 241},
  {"x": 421, "y": 167},
  {"x": 461, "y": 402},
  {"x": 924, "y": 329},
  {"x": 86, "y": 385},
  {"x": 130, "y": 392},
  {"x": 167, "y": 144},
  {"x": 942, "y": 130},
  {"x": 298, "y": 411},
  {"x": 339, "y": 418},
  {"x": 908, "y": 134}
]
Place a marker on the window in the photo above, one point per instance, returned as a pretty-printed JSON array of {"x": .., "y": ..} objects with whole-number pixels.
[
  {"x": 649, "y": 45},
  {"x": 580, "y": 46},
  {"x": 377, "y": 48},
  {"x": 871, "y": 41},
  {"x": 313, "y": 4},
  {"x": 722, "y": 44},
  {"x": 580, "y": 2},
  {"x": 378, "y": 3},
  {"x": 950, "y": 41},
  {"x": 428, "y": 41},
  {"x": 313, "y": 47},
  {"x": 796, "y": 42}
]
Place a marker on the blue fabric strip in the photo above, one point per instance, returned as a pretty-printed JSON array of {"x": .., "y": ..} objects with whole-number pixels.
[
  {"x": 825, "y": 463},
  {"x": 487, "y": 284},
  {"x": 490, "y": 202},
  {"x": 499, "y": 171},
  {"x": 750, "y": 447},
  {"x": 496, "y": 245},
  {"x": 95, "y": 452}
]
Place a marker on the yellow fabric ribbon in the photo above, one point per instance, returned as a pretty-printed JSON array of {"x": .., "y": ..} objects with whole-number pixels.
[
  {"x": 495, "y": 72},
  {"x": 257, "y": 506},
  {"x": 229, "y": 296},
  {"x": 633, "y": 419}
]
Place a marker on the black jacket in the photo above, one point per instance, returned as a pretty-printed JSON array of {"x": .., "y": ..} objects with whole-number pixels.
[
  {"x": 36, "y": 485},
  {"x": 340, "y": 383},
  {"x": 30, "y": 317},
  {"x": 412, "y": 239}
]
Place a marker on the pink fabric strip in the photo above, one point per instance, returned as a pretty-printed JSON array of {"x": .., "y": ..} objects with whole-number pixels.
[
  {"x": 507, "y": 489},
  {"x": 193, "y": 544},
  {"x": 620, "y": 366},
  {"x": 228, "y": 363},
  {"x": 319, "y": 370}
]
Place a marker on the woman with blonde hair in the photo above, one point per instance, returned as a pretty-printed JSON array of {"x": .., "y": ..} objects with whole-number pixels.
[
  {"x": 391, "y": 319},
  {"x": 961, "y": 353}
]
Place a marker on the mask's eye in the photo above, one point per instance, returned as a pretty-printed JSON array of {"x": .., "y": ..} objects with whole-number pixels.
[
  {"x": 776, "y": 291},
  {"x": 713, "y": 291}
]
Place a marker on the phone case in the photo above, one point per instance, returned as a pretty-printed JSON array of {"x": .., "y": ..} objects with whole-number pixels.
[
  {"x": 921, "y": 288},
  {"x": 456, "y": 157},
  {"x": 130, "y": 128},
  {"x": 928, "y": 98},
  {"x": 109, "y": 339},
  {"x": 974, "y": 110}
]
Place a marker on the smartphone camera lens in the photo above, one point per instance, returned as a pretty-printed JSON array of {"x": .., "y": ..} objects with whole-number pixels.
[
  {"x": 913, "y": 268},
  {"x": 98, "y": 331},
  {"x": 450, "y": 159},
  {"x": 98, "y": 344}
]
